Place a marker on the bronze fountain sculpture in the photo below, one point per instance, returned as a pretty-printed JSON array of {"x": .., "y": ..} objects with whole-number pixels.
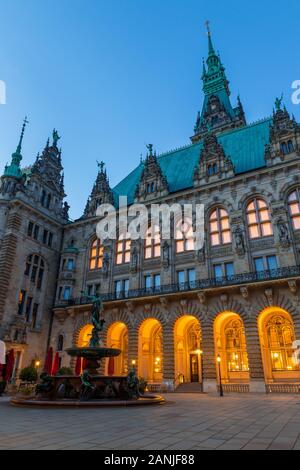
[{"x": 90, "y": 389}]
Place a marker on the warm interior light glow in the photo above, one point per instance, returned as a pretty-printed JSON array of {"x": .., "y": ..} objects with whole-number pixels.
[
  {"x": 37, "y": 363},
  {"x": 219, "y": 358}
]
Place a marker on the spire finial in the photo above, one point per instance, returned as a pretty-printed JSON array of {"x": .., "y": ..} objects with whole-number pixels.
[
  {"x": 207, "y": 26},
  {"x": 210, "y": 44},
  {"x": 101, "y": 165},
  {"x": 25, "y": 122}
]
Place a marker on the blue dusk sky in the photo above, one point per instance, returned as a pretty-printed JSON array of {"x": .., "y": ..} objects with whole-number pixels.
[{"x": 113, "y": 75}]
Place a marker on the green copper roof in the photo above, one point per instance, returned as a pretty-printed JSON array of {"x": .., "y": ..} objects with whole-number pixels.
[
  {"x": 245, "y": 146},
  {"x": 13, "y": 170}
]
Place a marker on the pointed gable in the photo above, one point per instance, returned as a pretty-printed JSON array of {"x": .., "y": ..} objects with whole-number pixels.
[
  {"x": 101, "y": 193},
  {"x": 153, "y": 183}
]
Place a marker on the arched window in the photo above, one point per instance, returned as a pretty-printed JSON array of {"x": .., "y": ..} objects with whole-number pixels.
[
  {"x": 280, "y": 338},
  {"x": 284, "y": 148},
  {"x": 184, "y": 236},
  {"x": 235, "y": 344},
  {"x": 123, "y": 250},
  {"x": 294, "y": 208},
  {"x": 43, "y": 197},
  {"x": 258, "y": 218},
  {"x": 96, "y": 255},
  {"x": 152, "y": 242},
  {"x": 219, "y": 227},
  {"x": 60, "y": 343},
  {"x": 34, "y": 269},
  {"x": 150, "y": 355},
  {"x": 290, "y": 146}
]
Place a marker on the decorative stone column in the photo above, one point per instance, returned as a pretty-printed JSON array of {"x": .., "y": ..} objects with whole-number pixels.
[
  {"x": 168, "y": 357},
  {"x": 208, "y": 359},
  {"x": 133, "y": 346},
  {"x": 256, "y": 371}
]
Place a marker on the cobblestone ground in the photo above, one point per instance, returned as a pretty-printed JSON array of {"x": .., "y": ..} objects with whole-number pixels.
[{"x": 187, "y": 422}]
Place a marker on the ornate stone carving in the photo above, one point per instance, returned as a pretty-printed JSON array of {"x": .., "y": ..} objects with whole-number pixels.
[
  {"x": 166, "y": 255},
  {"x": 201, "y": 255},
  {"x": 153, "y": 182},
  {"x": 244, "y": 292},
  {"x": 106, "y": 263},
  {"x": 239, "y": 241},
  {"x": 269, "y": 295},
  {"x": 213, "y": 163},
  {"x": 134, "y": 261},
  {"x": 293, "y": 286},
  {"x": 202, "y": 298},
  {"x": 283, "y": 233}
]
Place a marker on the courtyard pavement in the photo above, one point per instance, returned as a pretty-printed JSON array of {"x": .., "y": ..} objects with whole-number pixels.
[{"x": 186, "y": 422}]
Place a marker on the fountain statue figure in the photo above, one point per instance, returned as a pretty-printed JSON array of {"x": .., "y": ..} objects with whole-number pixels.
[{"x": 98, "y": 323}]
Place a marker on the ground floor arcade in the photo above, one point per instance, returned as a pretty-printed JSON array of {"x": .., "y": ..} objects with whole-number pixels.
[{"x": 184, "y": 342}]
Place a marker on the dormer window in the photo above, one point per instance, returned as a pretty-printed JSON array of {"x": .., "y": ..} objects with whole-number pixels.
[{"x": 287, "y": 147}]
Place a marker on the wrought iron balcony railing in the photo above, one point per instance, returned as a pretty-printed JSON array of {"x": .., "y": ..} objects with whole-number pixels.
[{"x": 201, "y": 284}]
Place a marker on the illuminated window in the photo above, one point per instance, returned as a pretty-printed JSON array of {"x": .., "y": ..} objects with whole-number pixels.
[
  {"x": 184, "y": 236},
  {"x": 96, "y": 255},
  {"x": 258, "y": 218},
  {"x": 123, "y": 250},
  {"x": 294, "y": 208},
  {"x": 219, "y": 227},
  {"x": 280, "y": 337},
  {"x": 235, "y": 344},
  {"x": 152, "y": 242}
]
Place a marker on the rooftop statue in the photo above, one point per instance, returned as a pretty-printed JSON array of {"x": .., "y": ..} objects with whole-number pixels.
[
  {"x": 55, "y": 137},
  {"x": 278, "y": 103}
]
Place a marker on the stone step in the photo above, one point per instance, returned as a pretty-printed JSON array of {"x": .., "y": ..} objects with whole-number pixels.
[{"x": 192, "y": 387}]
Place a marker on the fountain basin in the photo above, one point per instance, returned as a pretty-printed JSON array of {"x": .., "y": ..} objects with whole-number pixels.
[
  {"x": 93, "y": 355},
  {"x": 109, "y": 391}
]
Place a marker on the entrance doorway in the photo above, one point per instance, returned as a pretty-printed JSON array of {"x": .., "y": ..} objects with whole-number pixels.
[
  {"x": 194, "y": 364},
  {"x": 187, "y": 333}
]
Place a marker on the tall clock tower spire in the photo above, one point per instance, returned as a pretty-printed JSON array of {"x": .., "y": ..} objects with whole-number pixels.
[{"x": 217, "y": 111}]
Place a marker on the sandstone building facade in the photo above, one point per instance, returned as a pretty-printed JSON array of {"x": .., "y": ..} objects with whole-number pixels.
[{"x": 171, "y": 309}]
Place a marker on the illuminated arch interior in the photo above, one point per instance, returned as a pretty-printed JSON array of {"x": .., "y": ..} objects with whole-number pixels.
[
  {"x": 187, "y": 333},
  {"x": 117, "y": 337},
  {"x": 279, "y": 349},
  {"x": 151, "y": 351},
  {"x": 230, "y": 343},
  {"x": 85, "y": 336}
]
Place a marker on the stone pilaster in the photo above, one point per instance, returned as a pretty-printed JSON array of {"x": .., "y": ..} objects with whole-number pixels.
[
  {"x": 169, "y": 355},
  {"x": 257, "y": 380},
  {"x": 133, "y": 346},
  {"x": 7, "y": 258},
  {"x": 208, "y": 359}
]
